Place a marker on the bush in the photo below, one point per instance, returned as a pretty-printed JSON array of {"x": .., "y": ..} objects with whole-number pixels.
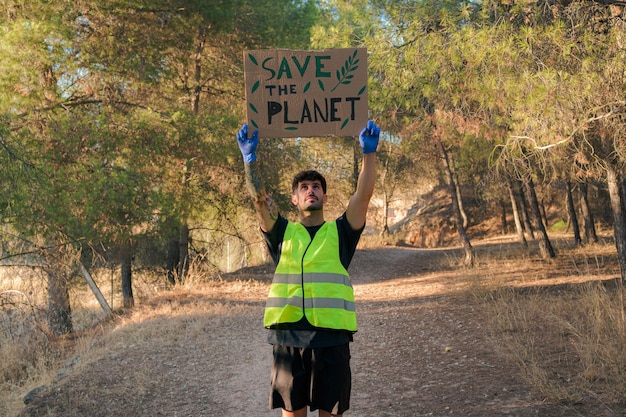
[{"x": 24, "y": 344}]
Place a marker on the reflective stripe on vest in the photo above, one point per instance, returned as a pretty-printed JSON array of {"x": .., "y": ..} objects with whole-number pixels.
[{"x": 322, "y": 292}]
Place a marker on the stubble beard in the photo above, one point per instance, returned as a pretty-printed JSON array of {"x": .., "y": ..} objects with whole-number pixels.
[{"x": 312, "y": 206}]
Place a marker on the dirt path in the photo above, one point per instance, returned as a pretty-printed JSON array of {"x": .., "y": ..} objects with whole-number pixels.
[{"x": 422, "y": 350}]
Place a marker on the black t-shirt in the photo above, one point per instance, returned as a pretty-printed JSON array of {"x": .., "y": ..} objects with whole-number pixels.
[{"x": 302, "y": 333}]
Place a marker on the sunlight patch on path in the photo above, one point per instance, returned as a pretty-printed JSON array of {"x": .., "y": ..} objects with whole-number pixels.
[{"x": 431, "y": 285}]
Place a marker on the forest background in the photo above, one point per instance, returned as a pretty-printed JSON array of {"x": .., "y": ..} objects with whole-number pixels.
[{"x": 117, "y": 147}]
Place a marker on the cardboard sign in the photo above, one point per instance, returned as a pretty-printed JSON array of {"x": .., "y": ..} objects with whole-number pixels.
[{"x": 306, "y": 93}]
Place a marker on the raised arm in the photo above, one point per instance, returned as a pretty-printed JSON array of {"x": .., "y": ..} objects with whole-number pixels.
[
  {"x": 356, "y": 212},
  {"x": 266, "y": 210}
]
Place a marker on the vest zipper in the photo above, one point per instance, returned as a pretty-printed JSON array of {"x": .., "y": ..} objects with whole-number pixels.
[{"x": 302, "y": 278}]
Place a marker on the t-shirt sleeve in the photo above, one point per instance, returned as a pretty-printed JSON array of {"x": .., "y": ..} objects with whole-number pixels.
[
  {"x": 274, "y": 239},
  {"x": 348, "y": 240}
]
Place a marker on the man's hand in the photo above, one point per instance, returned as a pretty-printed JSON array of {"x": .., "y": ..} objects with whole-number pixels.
[
  {"x": 369, "y": 137},
  {"x": 248, "y": 146}
]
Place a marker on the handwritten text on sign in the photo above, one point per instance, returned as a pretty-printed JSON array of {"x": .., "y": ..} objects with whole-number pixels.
[{"x": 306, "y": 93}]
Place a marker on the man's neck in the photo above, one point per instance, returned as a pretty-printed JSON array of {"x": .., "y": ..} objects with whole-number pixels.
[{"x": 312, "y": 218}]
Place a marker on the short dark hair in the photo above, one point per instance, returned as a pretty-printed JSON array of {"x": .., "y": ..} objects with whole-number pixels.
[{"x": 308, "y": 176}]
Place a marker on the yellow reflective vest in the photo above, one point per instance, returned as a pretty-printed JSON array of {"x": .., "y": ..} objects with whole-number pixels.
[{"x": 310, "y": 281}]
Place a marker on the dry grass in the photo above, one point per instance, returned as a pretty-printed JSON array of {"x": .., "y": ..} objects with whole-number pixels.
[
  {"x": 26, "y": 351},
  {"x": 32, "y": 356},
  {"x": 561, "y": 321}
]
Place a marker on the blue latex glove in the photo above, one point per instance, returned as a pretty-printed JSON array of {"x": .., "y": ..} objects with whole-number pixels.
[
  {"x": 247, "y": 146},
  {"x": 369, "y": 137}
]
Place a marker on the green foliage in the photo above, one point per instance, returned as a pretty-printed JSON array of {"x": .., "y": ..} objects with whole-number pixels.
[
  {"x": 121, "y": 115},
  {"x": 118, "y": 117},
  {"x": 344, "y": 24},
  {"x": 277, "y": 23}
]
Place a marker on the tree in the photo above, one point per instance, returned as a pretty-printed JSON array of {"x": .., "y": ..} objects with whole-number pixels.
[
  {"x": 112, "y": 112},
  {"x": 577, "y": 100},
  {"x": 456, "y": 210},
  {"x": 588, "y": 222},
  {"x": 397, "y": 168},
  {"x": 545, "y": 246},
  {"x": 600, "y": 130},
  {"x": 571, "y": 212},
  {"x": 417, "y": 76},
  {"x": 517, "y": 212}
]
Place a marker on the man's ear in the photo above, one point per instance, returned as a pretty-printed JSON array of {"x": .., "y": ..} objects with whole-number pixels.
[
  {"x": 294, "y": 199},
  {"x": 325, "y": 198}
]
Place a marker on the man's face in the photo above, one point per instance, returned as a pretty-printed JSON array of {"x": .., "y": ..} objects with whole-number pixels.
[{"x": 309, "y": 196}]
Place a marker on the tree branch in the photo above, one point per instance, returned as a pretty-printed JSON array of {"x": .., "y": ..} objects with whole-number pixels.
[
  {"x": 83, "y": 102},
  {"x": 576, "y": 130}
]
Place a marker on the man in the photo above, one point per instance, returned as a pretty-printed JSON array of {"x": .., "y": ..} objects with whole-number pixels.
[{"x": 310, "y": 307}]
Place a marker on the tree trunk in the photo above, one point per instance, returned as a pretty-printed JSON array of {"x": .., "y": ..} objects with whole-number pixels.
[
  {"x": 622, "y": 188},
  {"x": 588, "y": 222},
  {"x": 544, "y": 242},
  {"x": 127, "y": 276},
  {"x": 183, "y": 252},
  {"x": 503, "y": 223},
  {"x": 172, "y": 260},
  {"x": 544, "y": 214},
  {"x": 385, "y": 228},
  {"x": 519, "y": 227},
  {"x": 470, "y": 256},
  {"x": 459, "y": 198},
  {"x": 528, "y": 227},
  {"x": 59, "y": 312},
  {"x": 571, "y": 211},
  {"x": 183, "y": 240},
  {"x": 619, "y": 217},
  {"x": 383, "y": 181},
  {"x": 94, "y": 289}
]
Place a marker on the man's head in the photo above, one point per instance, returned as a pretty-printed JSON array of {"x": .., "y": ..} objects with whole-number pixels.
[
  {"x": 308, "y": 176},
  {"x": 309, "y": 191}
]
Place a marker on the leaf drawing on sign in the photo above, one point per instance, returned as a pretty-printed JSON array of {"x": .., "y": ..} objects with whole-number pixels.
[
  {"x": 253, "y": 59},
  {"x": 345, "y": 122},
  {"x": 254, "y": 108},
  {"x": 254, "y": 123},
  {"x": 344, "y": 76},
  {"x": 255, "y": 86},
  {"x": 321, "y": 84},
  {"x": 306, "y": 87}
]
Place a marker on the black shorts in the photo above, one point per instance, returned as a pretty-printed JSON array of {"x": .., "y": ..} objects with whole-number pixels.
[{"x": 317, "y": 377}]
